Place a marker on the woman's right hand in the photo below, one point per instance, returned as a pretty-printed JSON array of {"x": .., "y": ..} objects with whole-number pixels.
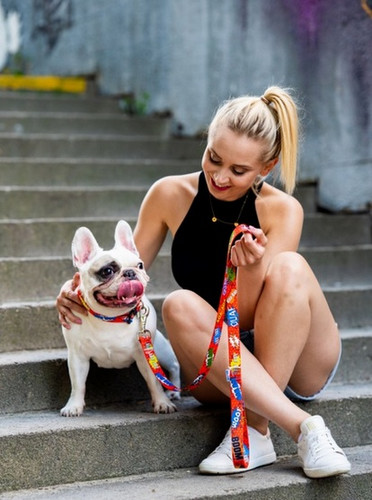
[{"x": 68, "y": 301}]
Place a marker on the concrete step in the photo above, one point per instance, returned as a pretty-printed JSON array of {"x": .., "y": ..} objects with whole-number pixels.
[
  {"x": 38, "y": 172},
  {"x": 41, "y": 448},
  {"x": 42, "y": 276},
  {"x": 339, "y": 266},
  {"x": 46, "y": 102},
  {"x": 283, "y": 480},
  {"x": 38, "y": 379},
  {"x": 118, "y": 200},
  {"x": 61, "y": 202},
  {"x": 53, "y": 236},
  {"x": 97, "y": 146},
  {"x": 21, "y": 122},
  {"x": 351, "y": 307}
]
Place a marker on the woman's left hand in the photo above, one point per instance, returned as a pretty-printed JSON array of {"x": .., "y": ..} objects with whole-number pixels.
[{"x": 250, "y": 248}]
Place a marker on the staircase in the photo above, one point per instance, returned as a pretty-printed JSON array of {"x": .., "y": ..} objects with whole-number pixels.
[{"x": 72, "y": 161}]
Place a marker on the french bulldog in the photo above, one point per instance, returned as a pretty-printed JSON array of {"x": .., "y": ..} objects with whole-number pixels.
[{"x": 112, "y": 288}]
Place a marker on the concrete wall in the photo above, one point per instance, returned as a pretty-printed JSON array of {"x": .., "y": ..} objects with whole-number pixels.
[{"x": 188, "y": 55}]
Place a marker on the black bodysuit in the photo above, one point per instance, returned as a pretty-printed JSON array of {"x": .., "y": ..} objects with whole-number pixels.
[{"x": 200, "y": 246}]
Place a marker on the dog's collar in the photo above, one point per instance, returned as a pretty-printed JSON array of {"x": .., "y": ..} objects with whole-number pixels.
[{"x": 123, "y": 318}]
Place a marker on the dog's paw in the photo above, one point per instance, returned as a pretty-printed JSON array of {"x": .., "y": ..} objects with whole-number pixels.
[
  {"x": 71, "y": 410},
  {"x": 173, "y": 395},
  {"x": 164, "y": 406}
]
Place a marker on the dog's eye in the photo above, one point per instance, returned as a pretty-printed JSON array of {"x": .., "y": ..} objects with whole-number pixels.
[
  {"x": 140, "y": 265},
  {"x": 107, "y": 272}
]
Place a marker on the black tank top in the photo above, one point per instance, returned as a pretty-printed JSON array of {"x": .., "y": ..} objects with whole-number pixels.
[{"x": 199, "y": 246}]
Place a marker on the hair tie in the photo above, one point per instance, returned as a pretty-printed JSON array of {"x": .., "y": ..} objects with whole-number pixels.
[{"x": 265, "y": 100}]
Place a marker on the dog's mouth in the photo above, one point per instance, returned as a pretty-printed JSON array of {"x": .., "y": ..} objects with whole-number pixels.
[{"x": 128, "y": 295}]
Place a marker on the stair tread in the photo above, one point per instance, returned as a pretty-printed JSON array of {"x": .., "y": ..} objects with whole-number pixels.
[
  {"x": 264, "y": 483},
  {"x": 29, "y": 422},
  {"x": 43, "y": 421}
]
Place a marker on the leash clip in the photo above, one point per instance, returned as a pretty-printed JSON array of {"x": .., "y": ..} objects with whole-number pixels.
[{"x": 143, "y": 314}]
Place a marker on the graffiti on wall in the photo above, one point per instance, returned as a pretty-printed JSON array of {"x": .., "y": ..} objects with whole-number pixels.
[
  {"x": 10, "y": 35},
  {"x": 367, "y": 6},
  {"x": 51, "y": 18}
]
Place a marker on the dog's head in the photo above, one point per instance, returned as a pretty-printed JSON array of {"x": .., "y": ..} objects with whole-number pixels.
[{"x": 114, "y": 279}]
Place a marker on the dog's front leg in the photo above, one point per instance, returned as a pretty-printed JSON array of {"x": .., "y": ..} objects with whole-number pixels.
[
  {"x": 78, "y": 368},
  {"x": 168, "y": 360},
  {"x": 160, "y": 401}
]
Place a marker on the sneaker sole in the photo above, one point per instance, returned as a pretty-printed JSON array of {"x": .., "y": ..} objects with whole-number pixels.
[
  {"x": 326, "y": 472},
  {"x": 260, "y": 462}
]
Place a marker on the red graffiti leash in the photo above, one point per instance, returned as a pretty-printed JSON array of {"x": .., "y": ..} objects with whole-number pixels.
[{"x": 228, "y": 312}]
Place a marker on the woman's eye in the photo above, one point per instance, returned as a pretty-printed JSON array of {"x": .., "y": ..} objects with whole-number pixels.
[
  {"x": 214, "y": 160},
  {"x": 238, "y": 172}
]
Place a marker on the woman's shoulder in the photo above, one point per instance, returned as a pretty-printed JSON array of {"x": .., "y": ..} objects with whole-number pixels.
[
  {"x": 277, "y": 198},
  {"x": 174, "y": 186},
  {"x": 275, "y": 207}
]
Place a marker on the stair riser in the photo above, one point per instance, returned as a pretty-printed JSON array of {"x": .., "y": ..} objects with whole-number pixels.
[
  {"x": 54, "y": 237},
  {"x": 45, "y": 103},
  {"x": 99, "y": 146},
  {"x": 44, "y": 332},
  {"x": 118, "y": 203},
  {"x": 351, "y": 266},
  {"x": 105, "y": 202},
  {"x": 90, "y": 172},
  {"x": 46, "y": 458},
  {"x": 42, "y": 278},
  {"x": 45, "y": 384},
  {"x": 77, "y": 124}
]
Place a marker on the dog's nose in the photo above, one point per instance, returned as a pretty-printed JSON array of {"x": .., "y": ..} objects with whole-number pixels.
[{"x": 129, "y": 274}]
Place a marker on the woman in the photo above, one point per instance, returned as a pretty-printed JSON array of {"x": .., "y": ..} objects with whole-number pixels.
[{"x": 287, "y": 328}]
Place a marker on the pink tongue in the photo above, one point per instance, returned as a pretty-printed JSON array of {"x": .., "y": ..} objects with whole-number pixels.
[{"x": 130, "y": 288}]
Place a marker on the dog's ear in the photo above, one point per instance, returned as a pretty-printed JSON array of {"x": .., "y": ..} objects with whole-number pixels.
[
  {"x": 84, "y": 247},
  {"x": 124, "y": 236}
]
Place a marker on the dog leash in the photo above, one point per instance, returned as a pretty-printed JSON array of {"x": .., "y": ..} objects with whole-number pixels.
[{"x": 228, "y": 312}]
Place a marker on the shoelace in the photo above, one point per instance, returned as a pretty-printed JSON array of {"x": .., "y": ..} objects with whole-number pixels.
[{"x": 321, "y": 443}]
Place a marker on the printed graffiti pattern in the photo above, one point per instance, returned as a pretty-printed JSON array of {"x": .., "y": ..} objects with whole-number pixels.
[
  {"x": 228, "y": 312},
  {"x": 50, "y": 18}
]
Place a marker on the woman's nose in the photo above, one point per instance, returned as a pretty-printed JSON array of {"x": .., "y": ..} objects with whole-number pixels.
[{"x": 221, "y": 177}]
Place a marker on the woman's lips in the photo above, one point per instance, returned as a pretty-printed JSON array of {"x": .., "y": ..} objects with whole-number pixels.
[{"x": 218, "y": 188}]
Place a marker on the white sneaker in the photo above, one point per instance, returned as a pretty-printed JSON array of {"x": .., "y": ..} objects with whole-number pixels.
[
  {"x": 220, "y": 460},
  {"x": 318, "y": 451}
]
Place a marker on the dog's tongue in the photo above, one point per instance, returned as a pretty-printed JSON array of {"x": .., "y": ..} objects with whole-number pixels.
[{"x": 130, "y": 289}]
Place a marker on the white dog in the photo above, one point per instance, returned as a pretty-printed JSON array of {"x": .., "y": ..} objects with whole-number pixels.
[{"x": 112, "y": 287}]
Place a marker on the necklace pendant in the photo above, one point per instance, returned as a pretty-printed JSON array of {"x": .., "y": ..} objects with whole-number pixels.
[
  {"x": 236, "y": 224},
  {"x": 214, "y": 219}
]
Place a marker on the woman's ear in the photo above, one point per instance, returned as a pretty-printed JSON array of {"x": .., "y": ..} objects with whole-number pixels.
[{"x": 269, "y": 166}]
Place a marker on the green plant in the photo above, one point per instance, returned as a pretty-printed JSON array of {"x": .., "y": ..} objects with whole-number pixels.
[{"x": 135, "y": 105}]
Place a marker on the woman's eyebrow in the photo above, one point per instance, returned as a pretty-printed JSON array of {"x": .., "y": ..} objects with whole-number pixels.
[{"x": 214, "y": 152}]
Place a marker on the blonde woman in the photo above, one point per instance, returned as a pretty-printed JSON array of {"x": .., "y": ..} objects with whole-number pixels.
[{"x": 290, "y": 341}]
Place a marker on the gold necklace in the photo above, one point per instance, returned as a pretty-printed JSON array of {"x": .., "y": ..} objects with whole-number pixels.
[{"x": 216, "y": 219}]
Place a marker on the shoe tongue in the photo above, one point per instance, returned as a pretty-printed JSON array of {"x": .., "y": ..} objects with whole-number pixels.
[{"x": 312, "y": 423}]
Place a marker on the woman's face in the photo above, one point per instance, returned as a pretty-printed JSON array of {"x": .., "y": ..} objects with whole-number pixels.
[{"x": 231, "y": 163}]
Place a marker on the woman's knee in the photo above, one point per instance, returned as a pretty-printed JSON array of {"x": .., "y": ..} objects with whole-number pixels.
[
  {"x": 288, "y": 270},
  {"x": 176, "y": 305}
]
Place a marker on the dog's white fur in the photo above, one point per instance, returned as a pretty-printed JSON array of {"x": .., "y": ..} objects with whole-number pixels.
[{"x": 103, "y": 274}]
